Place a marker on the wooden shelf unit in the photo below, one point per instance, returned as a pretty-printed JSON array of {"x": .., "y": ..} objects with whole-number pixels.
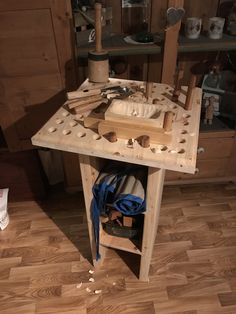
[{"x": 118, "y": 47}]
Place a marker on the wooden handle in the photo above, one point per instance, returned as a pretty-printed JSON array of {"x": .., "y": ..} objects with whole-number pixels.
[
  {"x": 98, "y": 26},
  {"x": 192, "y": 84},
  {"x": 149, "y": 86}
]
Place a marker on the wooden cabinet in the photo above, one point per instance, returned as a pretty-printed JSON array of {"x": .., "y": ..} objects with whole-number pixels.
[
  {"x": 214, "y": 160},
  {"x": 36, "y": 65}
]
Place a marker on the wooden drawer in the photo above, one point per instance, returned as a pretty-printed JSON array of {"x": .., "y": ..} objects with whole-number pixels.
[
  {"x": 213, "y": 148},
  {"x": 211, "y": 168}
]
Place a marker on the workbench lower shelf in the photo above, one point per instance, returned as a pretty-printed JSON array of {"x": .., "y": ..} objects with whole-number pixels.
[{"x": 118, "y": 243}]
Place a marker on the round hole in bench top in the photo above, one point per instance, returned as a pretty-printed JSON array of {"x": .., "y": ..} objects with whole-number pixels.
[
  {"x": 81, "y": 134},
  {"x": 184, "y": 132},
  {"x": 66, "y": 132},
  {"x": 185, "y": 115},
  {"x": 52, "y": 129},
  {"x": 96, "y": 137},
  {"x": 181, "y": 151},
  {"x": 182, "y": 140},
  {"x": 59, "y": 121},
  {"x": 186, "y": 123},
  {"x": 73, "y": 123}
]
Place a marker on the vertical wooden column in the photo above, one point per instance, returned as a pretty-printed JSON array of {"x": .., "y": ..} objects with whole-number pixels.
[
  {"x": 89, "y": 167},
  {"x": 151, "y": 219},
  {"x": 171, "y": 47}
]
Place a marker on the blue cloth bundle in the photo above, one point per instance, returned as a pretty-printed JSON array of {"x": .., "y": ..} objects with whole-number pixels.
[{"x": 121, "y": 189}]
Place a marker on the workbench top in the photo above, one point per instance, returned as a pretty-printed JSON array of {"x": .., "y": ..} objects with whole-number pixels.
[{"x": 65, "y": 132}]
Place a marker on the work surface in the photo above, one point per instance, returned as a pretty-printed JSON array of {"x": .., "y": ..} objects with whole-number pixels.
[{"x": 64, "y": 131}]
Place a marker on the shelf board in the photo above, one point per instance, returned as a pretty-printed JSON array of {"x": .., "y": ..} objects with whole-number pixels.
[
  {"x": 203, "y": 43},
  {"x": 118, "y": 243},
  {"x": 116, "y": 46}
]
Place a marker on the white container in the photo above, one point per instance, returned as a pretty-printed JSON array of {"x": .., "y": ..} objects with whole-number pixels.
[
  {"x": 193, "y": 27},
  {"x": 215, "y": 27}
]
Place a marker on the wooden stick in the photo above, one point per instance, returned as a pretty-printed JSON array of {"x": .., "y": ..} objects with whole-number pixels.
[
  {"x": 84, "y": 101},
  {"x": 149, "y": 89},
  {"x": 192, "y": 84},
  {"x": 87, "y": 107},
  {"x": 98, "y": 26},
  {"x": 83, "y": 93},
  {"x": 168, "y": 120}
]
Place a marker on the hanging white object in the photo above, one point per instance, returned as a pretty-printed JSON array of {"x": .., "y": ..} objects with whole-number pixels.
[{"x": 4, "y": 218}]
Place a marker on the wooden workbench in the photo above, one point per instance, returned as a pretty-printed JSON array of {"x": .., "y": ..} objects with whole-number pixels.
[{"x": 65, "y": 132}]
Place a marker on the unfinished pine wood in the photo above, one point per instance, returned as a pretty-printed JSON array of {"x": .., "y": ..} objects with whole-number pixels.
[
  {"x": 192, "y": 270},
  {"x": 171, "y": 47},
  {"x": 127, "y": 131},
  {"x": 153, "y": 199},
  {"x": 90, "y": 168},
  {"x": 64, "y": 133}
]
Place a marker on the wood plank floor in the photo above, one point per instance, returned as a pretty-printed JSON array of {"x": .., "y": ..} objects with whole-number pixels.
[{"x": 44, "y": 251}]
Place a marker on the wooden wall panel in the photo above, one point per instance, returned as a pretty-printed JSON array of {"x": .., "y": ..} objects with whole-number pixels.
[
  {"x": 37, "y": 65},
  {"x": 201, "y": 9}
]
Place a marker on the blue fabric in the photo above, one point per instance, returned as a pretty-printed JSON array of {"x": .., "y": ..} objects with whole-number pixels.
[{"x": 104, "y": 190}]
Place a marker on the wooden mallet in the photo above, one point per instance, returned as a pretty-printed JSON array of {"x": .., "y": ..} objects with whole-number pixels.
[{"x": 98, "y": 65}]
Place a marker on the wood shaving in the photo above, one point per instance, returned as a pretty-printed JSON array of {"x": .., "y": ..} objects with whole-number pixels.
[
  {"x": 97, "y": 291},
  {"x": 91, "y": 271},
  {"x": 79, "y": 285},
  {"x": 91, "y": 279}
]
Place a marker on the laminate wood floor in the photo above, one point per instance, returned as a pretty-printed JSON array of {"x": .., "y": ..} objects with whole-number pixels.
[{"x": 44, "y": 266}]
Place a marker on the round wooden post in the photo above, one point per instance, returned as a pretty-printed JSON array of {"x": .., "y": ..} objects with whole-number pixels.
[
  {"x": 168, "y": 120},
  {"x": 192, "y": 84}
]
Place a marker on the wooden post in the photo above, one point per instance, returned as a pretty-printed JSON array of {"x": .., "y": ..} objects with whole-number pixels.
[
  {"x": 153, "y": 199},
  {"x": 168, "y": 120},
  {"x": 192, "y": 84},
  {"x": 149, "y": 89},
  {"x": 171, "y": 47},
  {"x": 89, "y": 172}
]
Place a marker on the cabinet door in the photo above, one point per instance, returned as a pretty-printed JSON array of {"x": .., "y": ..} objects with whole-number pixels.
[{"x": 36, "y": 65}]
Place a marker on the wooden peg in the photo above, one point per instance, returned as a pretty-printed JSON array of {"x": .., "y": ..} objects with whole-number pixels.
[
  {"x": 192, "y": 84},
  {"x": 177, "y": 88},
  {"x": 149, "y": 89},
  {"x": 144, "y": 141},
  {"x": 168, "y": 120},
  {"x": 111, "y": 137}
]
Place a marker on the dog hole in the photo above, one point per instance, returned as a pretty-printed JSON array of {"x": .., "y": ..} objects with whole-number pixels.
[
  {"x": 52, "y": 129},
  {"x": 81, "y": 134},
  {"x": 96, "y": 137},
  {"x": 66, "y": 132}
]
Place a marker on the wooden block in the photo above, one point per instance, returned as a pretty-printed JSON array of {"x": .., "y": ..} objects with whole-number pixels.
[
  {"x": 126, "y": 131},
  {"x": 87, "y": 107},
  {"x": 83, "y": 93},
  {"x": 92, "y": 121},
  {"x": 127, "y": 221},
  {"x": 84, "y": 101}
]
